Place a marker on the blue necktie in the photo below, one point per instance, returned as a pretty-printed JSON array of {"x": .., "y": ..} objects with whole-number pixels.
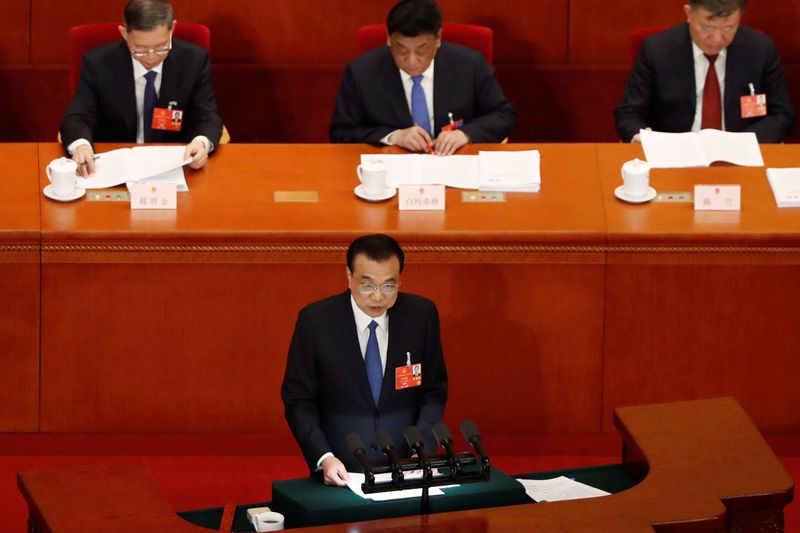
[
  {"x": 372, "y": 360},
  {"x": 419, "y": 106},
  {"x": 150, "y": 98}
]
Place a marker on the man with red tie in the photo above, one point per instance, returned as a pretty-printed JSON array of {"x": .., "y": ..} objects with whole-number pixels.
[{"x": 709, "y": 72}]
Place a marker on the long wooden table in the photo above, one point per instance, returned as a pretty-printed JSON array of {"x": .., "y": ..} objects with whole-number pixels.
[
  {"x": 556, "y": 307},
  {"x": 703, "y": 464}
]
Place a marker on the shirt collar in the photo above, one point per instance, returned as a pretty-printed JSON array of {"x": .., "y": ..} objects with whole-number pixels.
[
  {"x": 139, "y": 71},
  {"x": 427, "y": 74},
  {"x": 698, "y": 53},
  {"x": 363, "y": 319}
]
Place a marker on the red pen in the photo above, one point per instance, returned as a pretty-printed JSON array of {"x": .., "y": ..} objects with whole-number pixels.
[{"x": 428, "y": 145}]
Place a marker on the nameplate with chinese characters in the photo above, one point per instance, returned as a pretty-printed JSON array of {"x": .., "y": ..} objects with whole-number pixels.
[
  {"x": 421, "y": 198},
  {"x": 153, "y": 195},
  {"x": 717, "y": 197}
]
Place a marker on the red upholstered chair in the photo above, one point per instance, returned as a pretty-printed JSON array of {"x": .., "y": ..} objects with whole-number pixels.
[
  {"x": 88, "y": 36},
  {"x": 638, "y": 36},
  {"x": 478, "y": 38},
  {"x": 84, "y": 38}
]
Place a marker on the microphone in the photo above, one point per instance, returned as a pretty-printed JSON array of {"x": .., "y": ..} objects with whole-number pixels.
[
  {"x": 443, "y": 436},
  {"x": 416, "y": 443},
  {"x": 359, "y": 450},
  {"x": 473, "y": 436},
  {"x": 386, "y": 445}
]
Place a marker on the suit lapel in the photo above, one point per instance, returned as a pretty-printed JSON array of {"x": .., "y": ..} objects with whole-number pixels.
[
  {"x": 393, "y": 84},
  {"x": 735, "y": 84},
  {"x": 344, "y": 331},
  {"x": 125, "y": 88},
  {"x": 685, "y": 69},
  {"x": 442, "y": 86},
  {"x": 395, "y": 355}
]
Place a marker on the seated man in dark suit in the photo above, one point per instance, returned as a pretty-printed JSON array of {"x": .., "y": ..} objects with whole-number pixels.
[
  {"x": 403, "y": 93},
  {"x": 672, "y": 88},
  {"x": 345, "y": 351},
  {"x": 122, "y": 83}
]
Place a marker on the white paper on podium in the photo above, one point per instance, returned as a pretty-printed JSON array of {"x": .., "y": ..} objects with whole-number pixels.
[
  {"x": 357, "y": 479},
  {"x": 559, "y": 489}
]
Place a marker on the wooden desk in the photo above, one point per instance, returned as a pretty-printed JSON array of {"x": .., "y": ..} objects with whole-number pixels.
[
  {"x": 709, "y": 470},
  {"x": 19, "y": 288},
  {"x": 181, "y": 320},
  {"x": 708, "y": 300}
]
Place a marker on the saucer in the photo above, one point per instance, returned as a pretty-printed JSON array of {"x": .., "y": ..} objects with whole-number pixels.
[
  {"x": 619, "y": 192},
  {"x": 389, "y": 192},
  {"x": 77, "y": 193}
]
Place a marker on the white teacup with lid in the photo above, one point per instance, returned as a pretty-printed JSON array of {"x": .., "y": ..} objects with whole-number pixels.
[
  {"x": 63, "y": 176},
  {"x": 635, "y": 178}
]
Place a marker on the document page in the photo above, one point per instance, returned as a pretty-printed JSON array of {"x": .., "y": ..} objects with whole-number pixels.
[
  {"x": 739, "y": 148},
  {"x": 357, "y": 479},
  {"x": 673, "y": 150},
  {"x": 510, "y": 171},
  {"x": 559, "y": 489},
  {"x": 785, "y": 185},
  {"x": 133, "y": 164},
  {"x": 424, "y": 169}
]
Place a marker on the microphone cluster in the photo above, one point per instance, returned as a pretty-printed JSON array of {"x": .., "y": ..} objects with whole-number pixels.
[{"x": 463, "y": 467}]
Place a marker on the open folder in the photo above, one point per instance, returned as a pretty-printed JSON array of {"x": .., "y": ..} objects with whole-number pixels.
[
  {"x": 700, "y": 148},
  {"x": 143, "y": 164}
]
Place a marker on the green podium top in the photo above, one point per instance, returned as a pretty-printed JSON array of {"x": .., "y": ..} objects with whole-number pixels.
[{"x": 307, "y": 502}]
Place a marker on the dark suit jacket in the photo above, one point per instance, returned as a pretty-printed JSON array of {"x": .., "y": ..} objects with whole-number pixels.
[
  {"x": 661, "y": 90},
  {"x": 104, "y": 106},
  {"x": 371, "y": 101},
  {"x": 325, "y": 387}
]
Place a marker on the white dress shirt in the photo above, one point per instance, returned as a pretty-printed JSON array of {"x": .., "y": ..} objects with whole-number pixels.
[
  {"x": 700, "y": 73},
  {"x": 427, "y": 88},
  {"x": 362, "y": 329}
]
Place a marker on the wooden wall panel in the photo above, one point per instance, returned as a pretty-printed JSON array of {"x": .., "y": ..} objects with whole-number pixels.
[
  {"x": 15, "y": 39},
  {"x": 202, "y": 347},
  {"x": 254, "y": 31},
  {"x": 598, "y": 29},
  {"x": 19, "y": 289},
  {"x": 679, "y": 332}
]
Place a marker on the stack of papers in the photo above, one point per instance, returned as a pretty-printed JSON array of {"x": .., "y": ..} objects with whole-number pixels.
[
  {"x": 487, "y": 171},
  {"x": 785, "y": 183},
  {"x": 141, "y": 164},
  {"x": 559, "y": 489},
  {"x": 356, "y": 480},
  {"x": 700, "y": 149}
]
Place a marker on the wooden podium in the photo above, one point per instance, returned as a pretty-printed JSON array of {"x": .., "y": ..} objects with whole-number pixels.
[{"x": 703, "y": 467}]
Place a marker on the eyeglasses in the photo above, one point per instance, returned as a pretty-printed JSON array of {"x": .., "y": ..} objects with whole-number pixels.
[
  {"x": 386, "y": 288},
  {"x": 156, "y": 51},
  {"x": 724, "y": 30}
]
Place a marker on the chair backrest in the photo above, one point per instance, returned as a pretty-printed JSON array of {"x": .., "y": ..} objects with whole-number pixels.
[
  {"x": 88, "y": 36},
  {"x": 637, "y": 37},
  {"x": 480, "y": 38}
]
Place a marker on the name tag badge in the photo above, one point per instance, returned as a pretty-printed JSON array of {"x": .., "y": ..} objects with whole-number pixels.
[
  {"x": 408, "y": 376},
  {"x": 167, "y": 119},
  {"x": 717, "y": 197},
  {"x": 153, "y": 195},
  {"x": 754, "y": 105}
]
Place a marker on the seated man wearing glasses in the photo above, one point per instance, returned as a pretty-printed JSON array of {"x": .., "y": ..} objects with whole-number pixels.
[
  {"x": 123, "y": 84},
  {"x": 693, "y": 77},
  {"x": 346, "y": 359}
]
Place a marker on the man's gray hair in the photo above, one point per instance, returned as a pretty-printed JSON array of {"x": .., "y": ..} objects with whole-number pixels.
[
  {"x": 719, "y": 8},
  {"x": 147, "y": 15}
]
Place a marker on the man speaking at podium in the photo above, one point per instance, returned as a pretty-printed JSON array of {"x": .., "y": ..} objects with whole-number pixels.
[
  {"x": 123, "y": 84},
  {"x": 709, "y": 72},
  {"x": 345, "y": 359}
]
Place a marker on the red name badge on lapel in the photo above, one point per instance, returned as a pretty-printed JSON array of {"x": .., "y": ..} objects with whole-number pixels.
[
  {"x": 754, "y": 105},
  {"x": 167, "y": 119},
  {"x": 408, "y": 376}
]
